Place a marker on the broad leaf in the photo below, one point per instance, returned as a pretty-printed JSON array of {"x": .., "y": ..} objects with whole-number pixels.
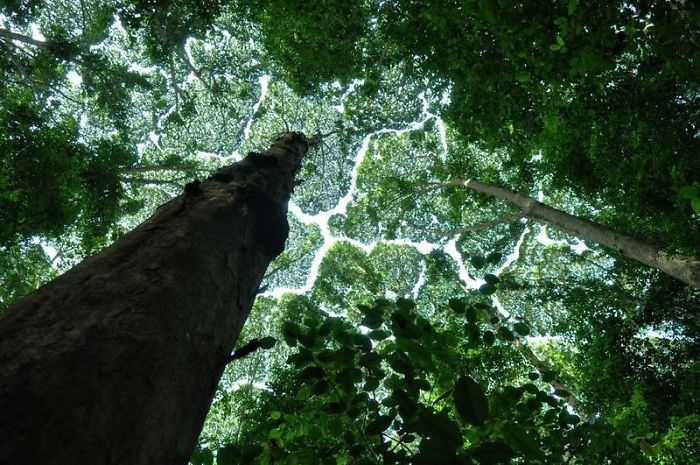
[{"x": 471, "y": 402}]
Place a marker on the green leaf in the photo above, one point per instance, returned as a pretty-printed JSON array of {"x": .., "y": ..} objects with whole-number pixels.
[
  {"x": 291, "y": 328},
  {"x": 492, "y": 452},
  {"x": 471, "y": 314},
  {"x": 326, "y": 356},
  {"x": 521, "y": 76},
  {"x": 405, "y": 304},
  {"x": 310, "y": 373},
  {"x": 335, "y": 407},
  {"x": 495, "y": 257},
  {"x": 441, "y": 429},
  {"x": 489, "y": 337},
  {"x": 344, "y": 355},
  {"x": 477, "y": 261},
  {"x": 202, "y": 457},
  {"x": 401, "y": 365},
  {"x": 267, "y": 342},
  {"x": 347, "y": 377},
  {"x": 371, "y": 360},
  {"x": 371, "y": 384},
  {"x": 505, "y": 333},
  {"x": 560, "y": 41},
  {"x": 433, "y": 451},
  {"x": 695, "y": 204},
  {"x": 228, "y": 455},
  {"x": 301, "y": 358},
  {"x": 554, "y": 47},
  {"x": 520, "y": 440},
  {"x": 688, "y": 192},
  {"x": 378, "y": 334},
  {"x": 378, "y": 425},
  {"x": 309, "y": 339},
  {"x": 372, "y": 321},
  {"x": 320, "y": 387},
  {"x": 457, "y": 305},
  {"x": 363, "y": 342},
  {"x": 487, "y": 289},
  {"x": 568, "y": 419},
  {"x": 472, "y": 331},
  {"x": 521, "y": 328},
  {"x": 471, "y": 402}
]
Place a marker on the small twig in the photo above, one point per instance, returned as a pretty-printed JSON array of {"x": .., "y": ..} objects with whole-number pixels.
[{"x": 443, "y": 396}]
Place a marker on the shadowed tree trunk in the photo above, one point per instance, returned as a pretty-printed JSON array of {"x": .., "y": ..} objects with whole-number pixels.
[
  {"x": 117, "y": 360},
  {"x": 686, "y": 269}
]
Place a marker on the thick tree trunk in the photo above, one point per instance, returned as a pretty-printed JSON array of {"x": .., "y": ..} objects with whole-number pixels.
[
  {"x": 686, "y": 269},
  {"x": 117, "y": 360}
]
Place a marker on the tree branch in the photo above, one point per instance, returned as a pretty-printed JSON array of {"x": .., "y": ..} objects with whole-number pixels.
[
  {"x": 145, "y": 182},
  {"x": 9, "y": 35},
  {"x": 476, "y": 227}
]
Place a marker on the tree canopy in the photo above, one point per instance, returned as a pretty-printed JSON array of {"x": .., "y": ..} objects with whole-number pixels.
[{"x": 408, "y": 320}]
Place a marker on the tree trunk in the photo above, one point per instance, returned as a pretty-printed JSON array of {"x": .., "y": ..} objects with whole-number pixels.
[
  {"x": 686, "y": 269},
  {"x": 117, "y": 360}
]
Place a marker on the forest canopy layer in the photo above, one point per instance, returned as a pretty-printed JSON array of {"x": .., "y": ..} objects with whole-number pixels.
[{"x": 415, "y": 315}]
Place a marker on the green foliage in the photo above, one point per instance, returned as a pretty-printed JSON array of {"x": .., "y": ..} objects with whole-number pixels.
[
  {"x": 388, "y": 401},
  {"x": 333, "y": 29},
  {"x": 49, "y": 179},
  {"x": 23, "y": 268},
  {"x": 593, "y": 105}
]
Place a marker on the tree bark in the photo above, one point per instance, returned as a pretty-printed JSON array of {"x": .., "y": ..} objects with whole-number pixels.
[
  {"x": 117, "y": 360},
  {"x": 686, "y": 269}
]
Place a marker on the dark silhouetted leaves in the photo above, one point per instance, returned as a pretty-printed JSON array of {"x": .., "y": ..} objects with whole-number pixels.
[
  {"x": 379, "y": 425},
  {"x": 312, "y": 372},
  {"x": 521, "y": 328},
  {"x": 457, "y": 305},
  {"x": 492, "y": 453},
  {"x": 267, "y": 342},
  {"x": 471, "y": 402},
  {"x": 520, "y": 440}
]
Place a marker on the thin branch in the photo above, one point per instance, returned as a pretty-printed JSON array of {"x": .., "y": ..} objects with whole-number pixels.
[
  {"x": 7, "y": 34},
  {"x": 145, "y": 182},
  {"x": 476, "y": 227},
  {"x": 184, "y": 167},
  {"x": 176, "y": 87},
  {"x": 82, "y": 18},
  {"x": 286, "y": 265}
]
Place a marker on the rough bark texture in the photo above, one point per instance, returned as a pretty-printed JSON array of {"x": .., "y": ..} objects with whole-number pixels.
[
  {"x": 686, "y": 269},
  {"x": 117, "y": 360}
]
